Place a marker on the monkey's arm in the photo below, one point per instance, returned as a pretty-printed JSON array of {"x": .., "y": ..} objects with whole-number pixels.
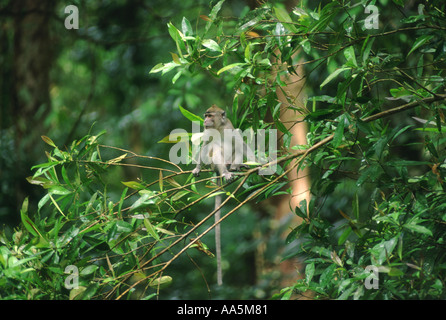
[{"x": 197, "y": 169}]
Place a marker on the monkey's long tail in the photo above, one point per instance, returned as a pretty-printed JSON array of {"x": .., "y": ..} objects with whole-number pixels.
[{"x": 218, "y": 238}]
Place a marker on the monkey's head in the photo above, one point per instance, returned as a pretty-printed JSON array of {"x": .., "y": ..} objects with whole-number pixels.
[{"x": 214, "y": 117}]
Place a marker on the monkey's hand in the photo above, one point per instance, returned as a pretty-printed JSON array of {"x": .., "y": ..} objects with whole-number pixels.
[
  {"x": 228, "y": 176},
  {"x": 196, "y": 171}
]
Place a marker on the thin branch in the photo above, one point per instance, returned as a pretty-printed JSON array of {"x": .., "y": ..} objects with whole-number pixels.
[
  {"x": 143, "y": 157},
  {"x": 404, "y": 107}
]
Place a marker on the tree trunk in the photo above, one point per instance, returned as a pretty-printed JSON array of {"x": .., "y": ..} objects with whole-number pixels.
[{"x": 30, "y": 99}]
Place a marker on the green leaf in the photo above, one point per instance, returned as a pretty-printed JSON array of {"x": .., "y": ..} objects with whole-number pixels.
[
  {"x": 414, "y": 226},
  {"x": 274, "y": 189},
  {"x": 175, "y": 138},
  {"x": 383, "y": 250},
  {"x": 419, "y": 42},
  {"x": 158, "y": 68},
  {"x": 88, "y": 270},
  {"x": 281, "y": 127},
  {"x": 211, "y": 44},
  {"x": 174, "y": 32},
  {"x": 121, "y": 200},
  {"x": 344, "y": 235},
  {"x": 59, "y": 190},
  {"x": 133, "y": 185},
  {"x": 400, "y": 92},
  {"x": 4, "y": 254},
  {"x": 175, "y": 58},
  {"x": 309, "y": 273},
  {"x": 30, "y": 226},
  {"x": 286, "y": 293},
  {"x": 150, "y": 229},
  {"x": 400, "y": 132},
  {"x": 327, "y": 275},
  {"x": 177, "y": 76},
  {"x": 216, "y": 9},
  {"x": 250, "y": 23},
  {"x": 349, "y": 54},
  {"x": 67, "y": 237},
  {"x": 333, "y": 75},
  {"x": 347, "y": 292},
  {"x": 372, "y": 172},
  {"x": 146, "y": 199},
  {"x": 394, "y": 272},
  {"x": 65, "y": 177},
  {"x": 40, "y": 181},
  {"x": 248, "y": 52},
  {"x": 179, "y": 195},
  {"x": 189, "y": 115},
  {"x": 77, "y": 293},
  {"x": 161, "y": 282},
  {"x": 299, "y": 212},
  {"x": 123, "y": 227},
  {"x": 366, "y": 48},
  {"x": 91, "y": 203},
  {"x": 177, "y": 36},
  {"x": 48, "y": 141},
  {"x": 306, "y": 45},
  {"x": 339, "y": 132},
  {"x": 430, "y": 146},
  {"x": 282, "y": 15},
  {"x": 230, "y": 66},
  {"x": 166, "y": 67},
  {"x": 43, "y": 201},
  {"x": 400, "y": 246},
  {"x": 292, "y": 236},
  {"x": 186, "y": 27}
]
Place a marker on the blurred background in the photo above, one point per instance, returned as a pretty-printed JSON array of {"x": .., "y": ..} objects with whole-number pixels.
[{"x": 65, "y": 83}]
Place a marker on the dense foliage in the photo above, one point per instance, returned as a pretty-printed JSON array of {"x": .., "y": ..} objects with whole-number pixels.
[{"x": 375, "y": 85}]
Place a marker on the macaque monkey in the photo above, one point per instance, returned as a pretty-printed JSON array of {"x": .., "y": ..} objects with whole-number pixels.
[
  {"x": 219, "y": 151},
  {"x": 222, "y": 146}
]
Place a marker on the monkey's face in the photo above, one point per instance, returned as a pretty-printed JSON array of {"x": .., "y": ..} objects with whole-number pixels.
[{"x": 213, "y": 120}]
